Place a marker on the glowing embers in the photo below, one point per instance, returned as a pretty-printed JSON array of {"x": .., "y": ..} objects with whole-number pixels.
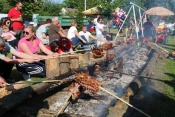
[{"x": 87, "y": 82}]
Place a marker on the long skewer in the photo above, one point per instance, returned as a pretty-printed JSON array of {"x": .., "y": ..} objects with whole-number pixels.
[
  {"x": 64, "y": 104},
  {"x": 123, "y": 101},
  {"x": 45, "y": 81},
  {"x": 140, "y": 76},
  {"x": 161, "y": 48}
]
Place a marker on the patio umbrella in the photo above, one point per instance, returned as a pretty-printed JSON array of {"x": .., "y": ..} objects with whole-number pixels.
[
  {"x": 91, "y": 11},
  {"x": 159, "y": 11}
]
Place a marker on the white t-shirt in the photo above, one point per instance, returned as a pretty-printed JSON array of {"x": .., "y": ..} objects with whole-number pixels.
[
  {"x": 71, "y": 32},
  {"x": 95, "y": 21},
  {"x": 39, "y": 31},
  {"x": 86, "y": 34},
  {"x": 98, "y": 27}
]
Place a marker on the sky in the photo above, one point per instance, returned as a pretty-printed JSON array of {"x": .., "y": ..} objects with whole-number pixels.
[{"x": 59, "y": 1}]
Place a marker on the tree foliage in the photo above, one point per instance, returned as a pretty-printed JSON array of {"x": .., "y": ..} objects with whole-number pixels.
[{"x": 47, "y": 7}]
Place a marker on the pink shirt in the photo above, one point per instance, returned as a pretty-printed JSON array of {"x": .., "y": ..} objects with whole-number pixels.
[
  {"x": 34, "y": 48},
  {"x": 10, "y": 33}
]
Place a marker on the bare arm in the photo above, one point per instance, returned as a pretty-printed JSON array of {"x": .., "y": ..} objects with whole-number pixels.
[
  {"x": 95, "y": 38},
  {"x": 27, "y": 50},
  {"x": 17, "y": 61},
  {"x": 77, "y": 34},
  {"x": 61, "y": 33},
  {"x": 44, "y": 49},
  {"x": 23, "y": 55},
  {"x": 71, "y": 51},
  {"x": 7, "y": 37},
  {"x": 44, "y": 36}
]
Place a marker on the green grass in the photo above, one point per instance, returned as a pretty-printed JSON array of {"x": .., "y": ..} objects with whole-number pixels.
[{"x": 165, "y": 102}]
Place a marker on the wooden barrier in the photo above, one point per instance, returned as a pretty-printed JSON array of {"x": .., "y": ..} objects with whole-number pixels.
[{"x": 59, "y": 66}]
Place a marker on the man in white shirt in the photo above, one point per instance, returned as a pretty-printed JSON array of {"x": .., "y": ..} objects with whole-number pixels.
[
  {"x": 95, "y": 20},
  {"x": 100, "y": 28},
  {"x": 88, "y": 34},
  {"x": 41, "y": 32}
]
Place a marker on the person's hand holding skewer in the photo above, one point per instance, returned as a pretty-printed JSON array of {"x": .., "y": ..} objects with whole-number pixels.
[{"x": 3, "y": 83}]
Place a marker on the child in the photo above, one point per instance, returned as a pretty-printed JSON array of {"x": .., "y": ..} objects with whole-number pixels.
[
  {"x": 12, "y": 40},
  {"x": 65, "y": 46},
  {"x": 53, "y": 46}
]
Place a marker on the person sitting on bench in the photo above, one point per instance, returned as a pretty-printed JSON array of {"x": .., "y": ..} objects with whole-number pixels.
[
  {"x": 88, "y": 34},
  {"x": 75, "y": 37}
]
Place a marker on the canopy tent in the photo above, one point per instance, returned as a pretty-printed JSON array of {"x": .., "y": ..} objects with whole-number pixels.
[
  {"x": 92, "y": 11},
  {"x": 160, "y": 11}
]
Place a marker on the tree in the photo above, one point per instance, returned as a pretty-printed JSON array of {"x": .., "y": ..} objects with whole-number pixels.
[
  {"x": 50, "y": 8},
  {"x": 30, "y": 7},
  {"x": 4, "y": 6}
]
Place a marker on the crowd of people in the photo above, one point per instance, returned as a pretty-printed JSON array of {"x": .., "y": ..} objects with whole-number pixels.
[{"x": 30, "y": 47}]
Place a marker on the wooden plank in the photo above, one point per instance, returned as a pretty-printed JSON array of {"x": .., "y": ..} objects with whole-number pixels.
[{"x": 52, "y": 67}]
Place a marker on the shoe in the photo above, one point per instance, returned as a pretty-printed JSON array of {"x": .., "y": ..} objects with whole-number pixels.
[
  {"x": 26, "y": 76},
  {"x": 29, "y": 79}
]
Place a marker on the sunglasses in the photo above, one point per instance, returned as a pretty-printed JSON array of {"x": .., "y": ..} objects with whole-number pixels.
[{"x": 25, "y": 32}]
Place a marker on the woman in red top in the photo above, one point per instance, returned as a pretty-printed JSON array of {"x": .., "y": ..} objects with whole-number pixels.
[{"x": 65, "y": 46}]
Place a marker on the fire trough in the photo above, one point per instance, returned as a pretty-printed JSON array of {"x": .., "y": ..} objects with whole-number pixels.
[{"x": 46, "y": 99}]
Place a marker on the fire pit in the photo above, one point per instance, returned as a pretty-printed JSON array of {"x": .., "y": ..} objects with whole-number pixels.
[{"x": 128, "y": 58}]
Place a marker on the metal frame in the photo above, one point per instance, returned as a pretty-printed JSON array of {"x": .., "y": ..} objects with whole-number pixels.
[{"x": 133, "y": 6}]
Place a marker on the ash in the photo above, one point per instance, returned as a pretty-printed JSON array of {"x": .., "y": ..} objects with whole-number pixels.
[{"x": 129, "y": 59}]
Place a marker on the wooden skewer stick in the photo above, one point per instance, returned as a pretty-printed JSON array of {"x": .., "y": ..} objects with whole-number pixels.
[
  {"x": 45, "y": 81},
  {"x": 161, "y": 48},
  {"x": 141, "y": 76},
  {"x": 64, "y": 104},
  {"x": 123, "y": 101}
]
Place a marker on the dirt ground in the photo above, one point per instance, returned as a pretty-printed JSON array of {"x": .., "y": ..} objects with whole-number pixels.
[{"x": 154, "y": 98}]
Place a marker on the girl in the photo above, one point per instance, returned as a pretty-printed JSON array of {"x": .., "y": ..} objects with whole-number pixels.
[
  {"x": 53, "y": 46},
  {"x": 65, "y": 46},
  {"x": 7, "y": 33},
  {"x": 30, "y": 45}
]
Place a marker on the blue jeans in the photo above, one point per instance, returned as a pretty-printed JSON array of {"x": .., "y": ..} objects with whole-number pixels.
[{"x": 77, "y": 41}]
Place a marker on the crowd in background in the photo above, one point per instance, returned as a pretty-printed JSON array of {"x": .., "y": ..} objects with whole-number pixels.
[{"x": 30, "y": 47}]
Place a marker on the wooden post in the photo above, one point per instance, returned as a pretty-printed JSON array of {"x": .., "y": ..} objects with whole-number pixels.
[
  {"x": 52, "y": 67},
  {"x": 64, "y": 63}
]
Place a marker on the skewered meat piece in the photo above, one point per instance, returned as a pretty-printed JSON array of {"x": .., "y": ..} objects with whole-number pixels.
[
  {"x": 75, "y": 90},
  {"x": 87, "y": 82},
  {"x": 97, "y": 67},
  {"x": 107, "y": 46},
  {"x": 149, "y": 47},
  {"x": 97, "y": 53}
]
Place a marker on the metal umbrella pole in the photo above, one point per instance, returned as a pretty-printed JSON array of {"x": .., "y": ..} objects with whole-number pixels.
[
  {"x": 123, "y": 23},
  {"x": 141, "y": 22},
  {"x": 135, "y": 22}
]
